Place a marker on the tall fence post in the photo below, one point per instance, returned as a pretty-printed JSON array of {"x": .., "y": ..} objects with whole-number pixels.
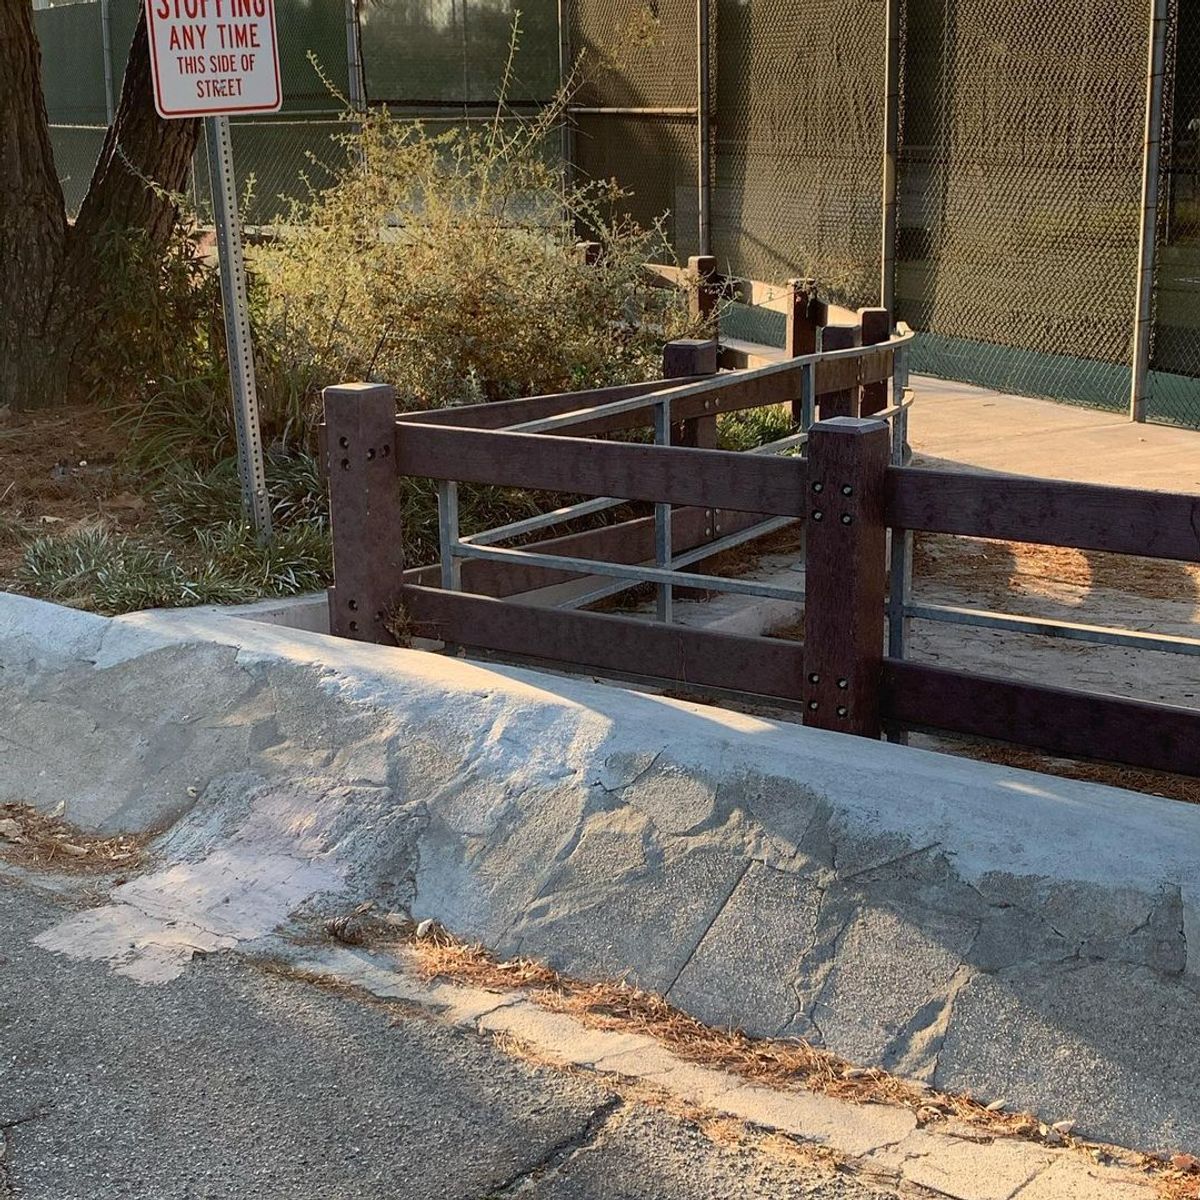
[
  {"x": 686, "y": 357},
  {"x": 706, "y": 294},
  {"x": 364, "y": 510},
  {"x": 355, "y": 75},
  {"x": 1147, "y": 242},
  {"x": 845, "y": 574},
  {"x": 842, "y": 402},
  {"x": 876, "y": 324},
  {"x": 110, "y": 107}
]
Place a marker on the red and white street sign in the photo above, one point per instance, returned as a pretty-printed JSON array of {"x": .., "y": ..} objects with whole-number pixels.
[{"x": 213, "y": 57}]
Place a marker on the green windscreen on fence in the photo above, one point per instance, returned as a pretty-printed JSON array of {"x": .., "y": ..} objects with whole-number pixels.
[
  {"x": 799, "y": 126},
  {"x": 1020, "y": 192}
]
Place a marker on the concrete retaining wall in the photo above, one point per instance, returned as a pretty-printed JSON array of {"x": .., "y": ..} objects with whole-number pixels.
[{"x": 986, "y": 929}]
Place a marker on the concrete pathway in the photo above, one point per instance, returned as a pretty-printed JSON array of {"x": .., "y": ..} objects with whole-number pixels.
[
  {"x": 245, "y": 1078},
  {"x": 994, "y": 431}
]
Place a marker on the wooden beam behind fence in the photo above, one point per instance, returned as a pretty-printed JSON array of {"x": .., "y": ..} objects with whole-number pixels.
[
  {"x": 688, "y": 358},
  {"x": 876, "y": 327},
  {"x": 761, "y": 666},
  {"x": 840, "y": 397}
]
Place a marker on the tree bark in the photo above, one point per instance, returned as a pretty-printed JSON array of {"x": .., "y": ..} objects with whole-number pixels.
[
  {"x": 51, "y": 272},
  {"x": 33, "y": 224}
]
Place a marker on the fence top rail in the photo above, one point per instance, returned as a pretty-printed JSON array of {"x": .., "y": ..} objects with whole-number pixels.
[
  {"x": 1052, "y": 512},
  {"x": 728, "y": 479},
  {"x": 703, "y": 387}
]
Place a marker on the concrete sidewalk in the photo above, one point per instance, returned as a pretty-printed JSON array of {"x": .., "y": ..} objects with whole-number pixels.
[{"x": 975, "y": 427}]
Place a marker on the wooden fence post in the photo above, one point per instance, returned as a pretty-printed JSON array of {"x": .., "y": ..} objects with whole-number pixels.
[
  {"x": 588, "y": 253},
  {"x": 681, "y": 358},
  {"x": 364, "y": 510},
  {"x": 844, "y": 401},
  {"x": 804, "y": 316},
  {"x": 876, "y": 328},
  {"x": 845, "y": 574},
  {"x": 705, "y": 296}
]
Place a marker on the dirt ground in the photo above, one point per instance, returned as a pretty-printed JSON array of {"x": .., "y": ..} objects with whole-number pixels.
[{"x": 60, "y": 470}]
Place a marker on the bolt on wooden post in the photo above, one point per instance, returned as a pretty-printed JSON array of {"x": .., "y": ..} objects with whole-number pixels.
[
  {"x": 364, "y": 510},
  {"x": 845, "y": 574}
]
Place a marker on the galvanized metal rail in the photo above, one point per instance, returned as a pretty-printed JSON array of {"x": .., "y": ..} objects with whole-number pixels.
[{"x": 666, "y": 572}]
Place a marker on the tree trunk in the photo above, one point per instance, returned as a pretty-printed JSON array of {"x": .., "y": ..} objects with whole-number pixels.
[
  {"x": 51, "y": 272},
  {"x": 33, "y": 224}
]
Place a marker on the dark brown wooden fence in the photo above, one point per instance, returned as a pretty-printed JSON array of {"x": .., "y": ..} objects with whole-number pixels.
[{"x": 848, "y": 491}]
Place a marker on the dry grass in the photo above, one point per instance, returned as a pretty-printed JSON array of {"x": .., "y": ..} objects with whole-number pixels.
[
  {"x": 1133, "y": 779},
  {"x": 32, "y": 839},
  {"x": 620, "y": 1007},
  {"x": 997, "y": 569},
  {"x": 775, "y": 1062}
]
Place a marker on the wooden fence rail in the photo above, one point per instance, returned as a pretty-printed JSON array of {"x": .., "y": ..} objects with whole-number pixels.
[{"x": 848, "y": 492}]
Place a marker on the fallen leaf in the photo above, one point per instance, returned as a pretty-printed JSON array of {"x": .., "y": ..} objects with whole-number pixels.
[
  {"x": 10, "y": 829},
  {"x": 73, "y": 850}
]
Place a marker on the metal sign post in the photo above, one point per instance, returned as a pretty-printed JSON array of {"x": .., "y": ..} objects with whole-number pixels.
[
  {"x": 210, "y": 59},
  {"x": 251, "y": 466}
]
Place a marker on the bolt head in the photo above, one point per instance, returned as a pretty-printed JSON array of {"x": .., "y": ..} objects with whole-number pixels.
[
  {"x": 846, "y": 518},
  {"x": 818, "y": 515}
]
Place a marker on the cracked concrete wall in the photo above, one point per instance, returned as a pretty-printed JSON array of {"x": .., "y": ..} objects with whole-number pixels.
[{"x": 982, "y": 928}]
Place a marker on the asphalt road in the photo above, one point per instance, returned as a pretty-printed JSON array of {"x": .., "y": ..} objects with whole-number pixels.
[{"x": 233, "y": 1081}]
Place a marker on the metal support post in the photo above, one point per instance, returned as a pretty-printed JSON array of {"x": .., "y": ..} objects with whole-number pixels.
[
  {"x": 564, "y": 75},
  {"x": 891, "y": 142},
  {"x": 1151, "y": 161},
  {"x": 808, "y": 396},
  {"x": 663, "y": 545},
  {"x": 703, "y": 130},
  {"x": 900, "y": 564},
  {"x": 237, "y": 326},
  {"x": 448, "y": 535},
  {"x": 106, "y": 49},
  {"x": 355, "y": 73}
]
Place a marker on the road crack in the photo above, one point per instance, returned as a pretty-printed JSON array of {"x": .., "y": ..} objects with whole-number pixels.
[{"x": 556, "y": 1157}]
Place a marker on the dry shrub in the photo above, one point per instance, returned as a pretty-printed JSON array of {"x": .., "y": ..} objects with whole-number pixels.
[{"x": 445, "y": 263}]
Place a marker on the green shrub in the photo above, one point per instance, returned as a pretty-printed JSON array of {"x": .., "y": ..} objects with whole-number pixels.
[{"x": 113, "y": 573}]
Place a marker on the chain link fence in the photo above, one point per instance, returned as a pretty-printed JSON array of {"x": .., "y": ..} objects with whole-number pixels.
[
  {"x": 1019, "y": 124},
  {"x": 1020, "y": 127},
  {"x": 1020, "y": 187},
  {"x": 1175, "y": 344}
]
